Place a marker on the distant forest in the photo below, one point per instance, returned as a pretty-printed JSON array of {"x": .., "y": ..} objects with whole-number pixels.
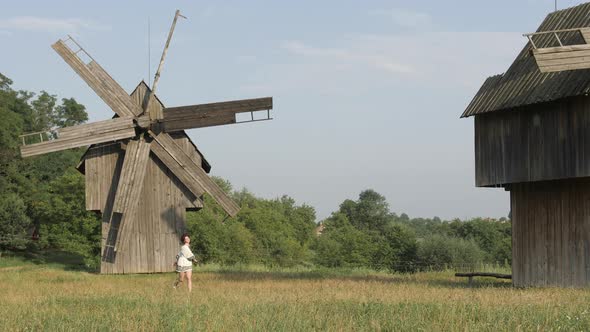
[{"x": 42, "y": 209}]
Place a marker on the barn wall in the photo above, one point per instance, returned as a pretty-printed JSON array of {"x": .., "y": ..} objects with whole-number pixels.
[
  {"x": 156, "y": 231},
  {"x": 101, "y": 169},
  {"x": 551, "y": 233},
  {"x": 536, "y": 143},
  {"x": 155, "y": 238}
]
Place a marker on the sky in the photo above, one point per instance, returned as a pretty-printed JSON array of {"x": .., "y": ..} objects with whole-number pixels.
[{"x": 367, "y": 94}]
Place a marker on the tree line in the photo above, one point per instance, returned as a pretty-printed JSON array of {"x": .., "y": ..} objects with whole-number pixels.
[{"x": 42, "y": 208}]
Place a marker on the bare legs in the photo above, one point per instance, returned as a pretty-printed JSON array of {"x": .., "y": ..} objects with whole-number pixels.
[
  {"x": 178, "y": 280},
  {"x": 181, "y": 276},
  {"x": 189, "y": 275}
]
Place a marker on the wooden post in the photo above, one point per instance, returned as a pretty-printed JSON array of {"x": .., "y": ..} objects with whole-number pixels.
[{"x": 158, "y": 114}]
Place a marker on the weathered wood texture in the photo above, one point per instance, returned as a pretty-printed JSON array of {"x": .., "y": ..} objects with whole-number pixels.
[
  {"x": 104, "y": 86},
  {"x": 113, "y": 87},
  {"x": 213, "y": 114},
  {"x": 554, "y": 59},
  {"x": 542, "y": 142},
  {"x": 551, "y": 233},
  {"x": 139, "y": 97},
  {"x": 155, "y": 232},
  {"x": 160, "y": 220},
  {"x": 82, "y": 135},
  {"x": 523, "y": 83},
  {"x": 129, "y": 189},
  {"x": 191, "y": 174}
]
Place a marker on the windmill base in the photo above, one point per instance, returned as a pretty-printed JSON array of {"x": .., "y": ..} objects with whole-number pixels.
[{"x": 551, "y": 233}]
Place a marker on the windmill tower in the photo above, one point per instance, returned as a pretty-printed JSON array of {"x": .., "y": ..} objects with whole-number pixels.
[
  {"x": 532, "y": 138},
  {"x": 142, "y": 171}
]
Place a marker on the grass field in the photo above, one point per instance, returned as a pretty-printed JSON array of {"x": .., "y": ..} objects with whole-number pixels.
[{"x": 52, "y": 297}]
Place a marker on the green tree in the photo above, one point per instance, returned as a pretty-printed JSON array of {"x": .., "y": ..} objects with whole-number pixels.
[
  {"x": 43, "y": 112},
  {"x": 14, "y": 223},
  {"x": 69, "y": 113},
  {"x": 439, "y": 252},
  {"x": 343, "y": 245},
  {"x": 64, "y": 222}
]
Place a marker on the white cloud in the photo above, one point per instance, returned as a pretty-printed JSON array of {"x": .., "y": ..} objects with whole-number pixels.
[
  {"x": 405, "y": 18},
  {"x": 33, "y": 23},
  {"x": 459, "y": 58},
  {"x": 455, "y": 61},
  {"x": 346, "y": 56}
]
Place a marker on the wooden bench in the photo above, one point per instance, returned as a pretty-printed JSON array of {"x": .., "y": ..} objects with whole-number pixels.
[{"x": 470, "y": 275}]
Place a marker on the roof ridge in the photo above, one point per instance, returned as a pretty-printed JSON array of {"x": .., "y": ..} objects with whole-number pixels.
[
  {"x": 523, "y": 83},
  {"x": 568, "y": 8}
]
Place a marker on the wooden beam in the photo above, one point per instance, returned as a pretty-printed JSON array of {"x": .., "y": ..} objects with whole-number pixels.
[
  {"x": 561, "y": 55},
  {"x": 157, "y": 114},
  {"x": 557, "y": 49},
  {"x": 562, "y": 58},
  {"x": 189, "y": 173},
  {"x": 83, "y": 135},
  {"x": 130, "y": 187},
  {"x": 111, "y": 85},
  {"x": 104, "y": 91},
  {"x": 212, "y": 114}
]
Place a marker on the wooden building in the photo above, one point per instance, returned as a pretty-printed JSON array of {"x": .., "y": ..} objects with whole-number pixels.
[
  {"x": 532, "y": 125},
  {"x": 142, "y": 171},
  {"x": 154, "y": 240}
]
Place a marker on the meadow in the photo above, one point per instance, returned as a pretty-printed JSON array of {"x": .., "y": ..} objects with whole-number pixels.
[{"x": 55, "y": 297}]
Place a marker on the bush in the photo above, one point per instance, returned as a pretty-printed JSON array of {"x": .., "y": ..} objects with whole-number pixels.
[
  {"x": 438, "y": 252},
  {"x": 14, "y": 223},
  {"x": 343, "y": 245}
]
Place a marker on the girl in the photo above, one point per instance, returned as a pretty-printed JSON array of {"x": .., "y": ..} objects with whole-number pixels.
[{"x": 184, "y": 263}]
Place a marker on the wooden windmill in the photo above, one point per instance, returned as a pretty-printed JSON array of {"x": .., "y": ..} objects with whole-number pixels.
[
  {"x": 142, "y": 171},
  {"x": 532, "y": 134}
]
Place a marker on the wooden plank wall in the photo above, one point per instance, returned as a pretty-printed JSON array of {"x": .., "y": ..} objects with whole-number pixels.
[
  {"x": 535, "y": 143},
  {"x": 163, "y": 209},
  {"x": 158, "y": 226},
  {"x": 159, "y": 223},
  {"x": 551, "y": 233},
  {"x": 102, "y": 168},
  {"x": 562, "y": 58}
]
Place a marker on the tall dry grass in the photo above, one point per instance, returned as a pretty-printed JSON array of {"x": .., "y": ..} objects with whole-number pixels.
[{"x": 39, "y": 297}]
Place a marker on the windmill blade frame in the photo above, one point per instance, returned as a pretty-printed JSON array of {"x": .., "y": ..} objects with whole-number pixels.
[
  {"x": 98, "y": 79},
  {"x": 183, "y": 167},
  {"x": 83, "y": 135},
  {"x": 214, "y": 114}
]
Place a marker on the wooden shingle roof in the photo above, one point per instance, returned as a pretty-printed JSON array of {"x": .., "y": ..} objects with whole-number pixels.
[{"x": 523, "y": 84}]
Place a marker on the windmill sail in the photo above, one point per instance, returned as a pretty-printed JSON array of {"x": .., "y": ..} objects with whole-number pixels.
[
  {"x": 184, "y": 167},
  {"x": 212, "y": 114},
  {"x": 104, "y": 86},
  {"x": 130, "y": 186},
  {"x": 83, "y": 135}
]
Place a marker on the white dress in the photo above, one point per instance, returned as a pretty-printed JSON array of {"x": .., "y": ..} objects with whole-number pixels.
[{"x": 184, "y": 259}]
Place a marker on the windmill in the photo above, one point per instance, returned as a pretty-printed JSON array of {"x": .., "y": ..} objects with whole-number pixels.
[{"x": 142, "y": 171}]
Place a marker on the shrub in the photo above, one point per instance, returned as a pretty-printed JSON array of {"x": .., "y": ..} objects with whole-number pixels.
[{"x": 439, "y": 252}]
